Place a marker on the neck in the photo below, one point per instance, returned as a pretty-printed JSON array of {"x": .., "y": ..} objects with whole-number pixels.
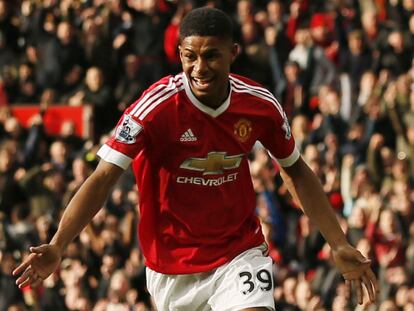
[{"x": 214, "y": 100}]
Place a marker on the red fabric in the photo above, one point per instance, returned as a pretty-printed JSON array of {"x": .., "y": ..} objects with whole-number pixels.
[
  {"x": 171, "y": 42},
  {"x": 310, "y": 274},
  {"x": 275, "y": 254},
  {"x": 314, "y": 103},
  {"x": 293, "y": 22},
  {"x": 318, "y": 20},
  {"x": 39, "y": 291},
  {"x": 164, "y": 6},
  {"x": 336, "y": 201},
  {"x": 382, "y": 244},
  {"x": 196, "y": 217},
  {"x": 54, "y": 117},
  {"x": 381, "y": 9},
  {"x": 291, "y": 27},
  {"x": 4, "y": 101}
]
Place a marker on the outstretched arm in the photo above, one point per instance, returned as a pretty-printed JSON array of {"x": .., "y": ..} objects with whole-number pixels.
[
  {"x": 306, "y": 188},
  {"x": 44, "y": 259}
]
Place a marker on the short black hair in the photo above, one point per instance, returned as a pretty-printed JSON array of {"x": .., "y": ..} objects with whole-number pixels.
[{"x": 206, "y": 21}]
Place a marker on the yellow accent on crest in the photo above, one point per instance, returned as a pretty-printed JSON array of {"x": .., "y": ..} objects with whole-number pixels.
[{"x": 242, "y": 130}]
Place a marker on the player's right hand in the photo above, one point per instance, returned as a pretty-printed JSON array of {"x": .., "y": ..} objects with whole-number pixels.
[{"x": 41, "y": 263}]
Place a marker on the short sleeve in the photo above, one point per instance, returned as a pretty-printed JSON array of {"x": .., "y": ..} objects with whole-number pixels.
[
  {"x": 125, "y": 143},
  {"x": 278, "y": 138}
]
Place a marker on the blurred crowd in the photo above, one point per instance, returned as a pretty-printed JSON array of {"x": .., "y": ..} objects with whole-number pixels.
[{"x": 342, "y": 70}]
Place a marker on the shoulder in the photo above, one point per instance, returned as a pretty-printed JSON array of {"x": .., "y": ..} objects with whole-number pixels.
[
  {"x": 246, "y": 87},
  {"x": 168, "y": 82},
  {"x": 244, "y": 80},
  {"x": 156, "y": 96}
]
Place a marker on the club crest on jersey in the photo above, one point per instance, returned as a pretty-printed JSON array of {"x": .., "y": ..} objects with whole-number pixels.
[
  {"x": 242, "y": 130},
  {"x": 128, "y": 130},
  {"x": 286, "y": 127}
]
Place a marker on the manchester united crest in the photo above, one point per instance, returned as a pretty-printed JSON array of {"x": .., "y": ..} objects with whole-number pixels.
[{"x": 243, "y": 129}]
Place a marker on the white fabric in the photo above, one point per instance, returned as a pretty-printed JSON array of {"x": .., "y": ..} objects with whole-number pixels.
[
  {"x": 113, "y": 156},
  {"x": 221, "y": 289},
  {"x": 204, "y": 108}
]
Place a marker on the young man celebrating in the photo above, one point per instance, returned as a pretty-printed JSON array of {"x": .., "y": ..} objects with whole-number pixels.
[{"x": 188, "y": 137}]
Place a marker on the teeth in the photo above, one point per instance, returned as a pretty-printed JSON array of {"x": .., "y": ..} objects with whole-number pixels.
[{"x": 201, "y": 82}]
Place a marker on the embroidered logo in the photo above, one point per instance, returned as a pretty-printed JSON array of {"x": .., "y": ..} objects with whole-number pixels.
[
  {"x": 188, "y": 135},
  {"x": 214, "y": 163},
  {"x": 242, "y": 130}
]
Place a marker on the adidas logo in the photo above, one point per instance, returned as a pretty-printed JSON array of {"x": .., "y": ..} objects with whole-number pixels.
[{"x": 188, "y": 136}]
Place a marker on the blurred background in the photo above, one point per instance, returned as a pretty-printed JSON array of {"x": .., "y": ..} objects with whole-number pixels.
[{"x": 342, "y": 70}]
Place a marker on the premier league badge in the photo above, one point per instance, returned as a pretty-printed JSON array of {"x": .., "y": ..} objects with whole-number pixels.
[{"x": 128, "y": 130}]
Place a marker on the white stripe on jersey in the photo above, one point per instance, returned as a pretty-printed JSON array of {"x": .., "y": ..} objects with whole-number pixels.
[
  {"x": 258, "y": 91},
  {"x": 153, "y": 95},
  {"x": 175, "y": 88},
  {"x": 145, "y": 98}
]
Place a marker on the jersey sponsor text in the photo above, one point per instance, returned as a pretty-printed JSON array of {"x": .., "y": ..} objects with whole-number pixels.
[{"x": 210, "y": 182}]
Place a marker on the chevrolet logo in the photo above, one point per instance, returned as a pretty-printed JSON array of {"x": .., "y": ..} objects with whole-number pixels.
[{"x": 215, "y": 163}]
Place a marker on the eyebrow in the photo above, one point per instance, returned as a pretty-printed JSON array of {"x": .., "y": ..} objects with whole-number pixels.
[{"x": 211, "y": 50}]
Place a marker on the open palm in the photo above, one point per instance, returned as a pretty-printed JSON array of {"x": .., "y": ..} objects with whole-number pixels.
[{"x": 41, "y": 263}]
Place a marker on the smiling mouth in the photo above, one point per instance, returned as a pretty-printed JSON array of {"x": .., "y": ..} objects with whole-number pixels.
[{"x": 202, "y": 82}]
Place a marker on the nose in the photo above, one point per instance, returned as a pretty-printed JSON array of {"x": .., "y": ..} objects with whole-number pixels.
[{"x": 200, "y": 66}]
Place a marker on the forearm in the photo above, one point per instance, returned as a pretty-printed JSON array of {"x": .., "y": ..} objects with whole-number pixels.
[
  {"x": 84, "y": 205},
  {"x": 306, "y": 188}
]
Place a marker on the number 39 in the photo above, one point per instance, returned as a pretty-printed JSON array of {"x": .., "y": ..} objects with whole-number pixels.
[{"x": 263, "y": 277}]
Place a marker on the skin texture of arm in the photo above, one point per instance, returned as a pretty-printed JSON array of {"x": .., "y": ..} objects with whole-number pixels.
[
  {"x": 45, "y": 259},
  {"x": 306, "y": 188},
  {"x": 86, "y": 203}
]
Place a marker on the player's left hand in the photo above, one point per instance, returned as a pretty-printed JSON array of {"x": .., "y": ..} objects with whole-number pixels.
[{"x": 356, "y": 269}]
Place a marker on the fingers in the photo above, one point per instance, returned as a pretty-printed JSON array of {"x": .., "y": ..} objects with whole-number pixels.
[
  {"x": 370, "y": 282},
  {"x": 38, "y": 249},
  {"x": 370, "y": 288},
  {"x": 358, "y": 288},
  {"x": 368, "y": 279},
  {"x": 373, "y": 280},
  {"x": 25, "y": 275},
  {"x": 23, "y": 266},
  {"x": 357, "y": 272},
  {"x": 27, "y": 278},
  {"x": 348, "y": 285}
]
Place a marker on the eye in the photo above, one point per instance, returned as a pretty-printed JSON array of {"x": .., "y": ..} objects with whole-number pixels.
[
  {"x": 212, "y": 56},
  {"x": 189, "y": 56}
]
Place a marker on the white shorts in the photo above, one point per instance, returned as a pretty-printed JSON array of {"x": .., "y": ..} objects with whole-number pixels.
[{"x": 244, "y": 282}]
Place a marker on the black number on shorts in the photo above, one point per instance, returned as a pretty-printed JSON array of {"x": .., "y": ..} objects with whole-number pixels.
[
  {"x": 263, "y": 276},
  {"x": 247, "y": 281}
]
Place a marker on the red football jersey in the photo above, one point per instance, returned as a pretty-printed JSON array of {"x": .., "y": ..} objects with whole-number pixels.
[{"x": 197, "y": 201}]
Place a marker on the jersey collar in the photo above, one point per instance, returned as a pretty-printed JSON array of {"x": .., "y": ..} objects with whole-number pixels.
[{"x": 204, "y": 108}]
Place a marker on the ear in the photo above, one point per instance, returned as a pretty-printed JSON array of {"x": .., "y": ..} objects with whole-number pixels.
[{"x": 235, "y": 49}]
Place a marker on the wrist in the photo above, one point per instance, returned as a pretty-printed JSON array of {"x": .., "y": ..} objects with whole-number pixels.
[
  {"x": 339, "y": 245},
  {"x": 60, "y": 246}
]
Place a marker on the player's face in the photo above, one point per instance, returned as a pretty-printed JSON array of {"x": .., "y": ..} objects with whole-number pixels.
[{"x": 206, "y": 62}]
